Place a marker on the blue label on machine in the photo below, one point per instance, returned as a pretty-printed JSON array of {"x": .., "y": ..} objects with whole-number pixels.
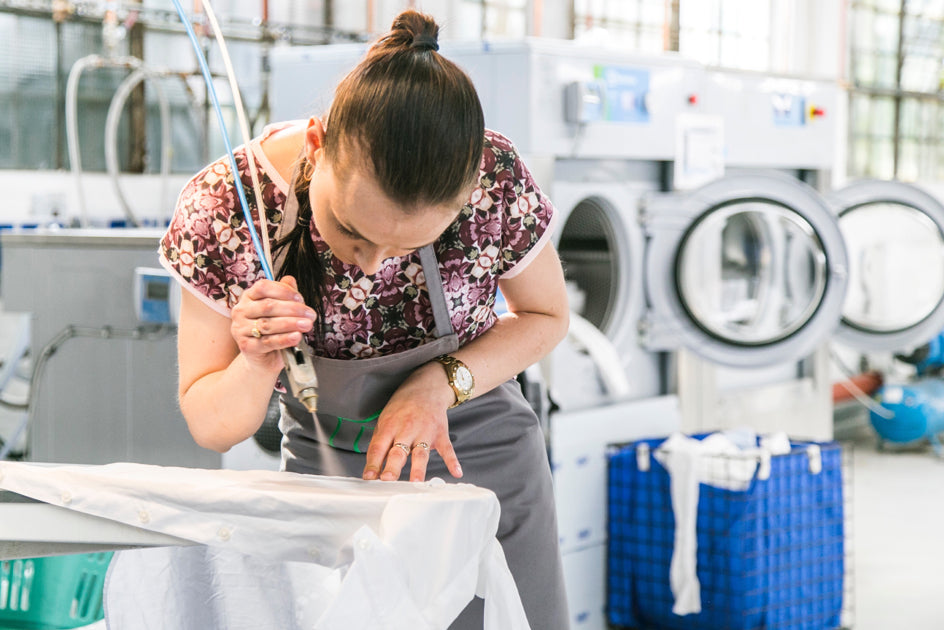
[
  {"x": 626, "y": 90},
  {"x": 789, "y": 110}
]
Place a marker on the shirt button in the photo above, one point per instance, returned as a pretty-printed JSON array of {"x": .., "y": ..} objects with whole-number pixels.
[
  {"x": 66, "y": 498},
  {"x": 224, "y": 534},
  {"x": 143, "y": 516},
  {"x": 314, "y": 552},
  {"x": 364, "y": 544}
]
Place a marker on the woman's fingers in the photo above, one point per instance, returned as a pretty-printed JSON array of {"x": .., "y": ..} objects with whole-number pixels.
[
  {"x": 448, "y": 453},
  {"x": 387, "y": 462},
  {"x": 269, "y": 326},
  {"x": 419, "y": 456},
  {"x": 270, "y": 316},
  {"x": 284, "y": 290},
  {"x": 396, "y": 460}
]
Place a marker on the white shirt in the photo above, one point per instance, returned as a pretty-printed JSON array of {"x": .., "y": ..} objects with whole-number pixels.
[{"x": 285, "y": 550}]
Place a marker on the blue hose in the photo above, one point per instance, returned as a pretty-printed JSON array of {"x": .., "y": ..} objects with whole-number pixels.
[{"x": 237, "y": 181}]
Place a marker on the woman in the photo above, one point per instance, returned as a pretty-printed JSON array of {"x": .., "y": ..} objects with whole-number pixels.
[{"x": 392, "y": 226}]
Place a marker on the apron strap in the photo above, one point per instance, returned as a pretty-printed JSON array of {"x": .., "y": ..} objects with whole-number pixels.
[{"x": 437, "y": 296}]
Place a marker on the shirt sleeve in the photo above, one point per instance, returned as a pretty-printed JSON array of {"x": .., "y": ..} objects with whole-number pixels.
[
  {"x": 527, "y": 215},
  {"x": 207, "y": 246}
]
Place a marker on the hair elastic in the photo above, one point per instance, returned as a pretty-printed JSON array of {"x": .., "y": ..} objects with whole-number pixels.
[{"x": 425, "y": 41}]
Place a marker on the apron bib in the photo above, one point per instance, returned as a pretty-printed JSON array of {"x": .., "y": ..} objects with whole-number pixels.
[{"x": 352, "y": 393}]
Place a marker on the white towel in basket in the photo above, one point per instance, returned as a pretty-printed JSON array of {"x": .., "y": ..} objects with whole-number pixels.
[{"x": 717, "y": 461}]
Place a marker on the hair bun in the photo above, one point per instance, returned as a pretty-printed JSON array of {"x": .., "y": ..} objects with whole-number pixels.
[{"x": 425, "y": 42}]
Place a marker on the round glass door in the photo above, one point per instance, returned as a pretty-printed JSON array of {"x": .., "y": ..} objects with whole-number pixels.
[
  {"x": 894, "y": 235},
  {"x": 889, "y": 244},
  {"x": 751, "y": 272},
  {"x": 747, "y": 271},
  {"x": 594, "y": 257}
]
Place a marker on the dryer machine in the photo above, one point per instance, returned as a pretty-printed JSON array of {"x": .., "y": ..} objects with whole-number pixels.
[
  {"x": 792, "y": 126},
  {"x": 797, "y": 127},
  {"x": 894, "y": 233}
]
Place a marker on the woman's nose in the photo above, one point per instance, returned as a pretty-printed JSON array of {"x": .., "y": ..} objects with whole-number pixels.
[{"x": 370, "y": 259}]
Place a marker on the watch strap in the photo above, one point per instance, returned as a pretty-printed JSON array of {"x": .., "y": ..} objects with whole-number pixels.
[{"x": 452, "y": 365}]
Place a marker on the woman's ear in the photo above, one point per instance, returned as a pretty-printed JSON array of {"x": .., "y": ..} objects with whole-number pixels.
[{"x": 314, "y": 139}]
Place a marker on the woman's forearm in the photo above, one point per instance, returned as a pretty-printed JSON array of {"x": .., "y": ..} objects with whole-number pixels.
[
  {"x": 511, "y": 345},
  {"x": 537, "y": 321},
  {"x": 224, "y": 392},
  {"x": 226, "y": 407}
]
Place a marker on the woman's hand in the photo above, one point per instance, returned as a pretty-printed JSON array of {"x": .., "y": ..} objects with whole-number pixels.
[
  {"x": 270, "y": 316},
  {"x": 413, "y": 424}
]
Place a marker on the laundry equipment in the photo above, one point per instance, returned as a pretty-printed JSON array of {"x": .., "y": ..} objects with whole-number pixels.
[
  {"x": 890, "y": 231},
  {"x": 895, "y": 233},
  {"x": 706, "y": 268}
]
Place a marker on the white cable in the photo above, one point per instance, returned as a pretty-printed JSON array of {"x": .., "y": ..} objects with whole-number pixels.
[
  {"x": 243, "y": 128},
  {"x": 867, "y": 401},
  {"x": 111, "y": 135},
  {"x": 72, "y": 124}
]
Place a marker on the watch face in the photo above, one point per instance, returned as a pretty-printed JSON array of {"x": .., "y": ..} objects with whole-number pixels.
[{"x": 463, "y": 378}]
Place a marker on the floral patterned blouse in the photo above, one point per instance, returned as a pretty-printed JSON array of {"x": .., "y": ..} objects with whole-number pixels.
[{"x": 506, "y": 221}]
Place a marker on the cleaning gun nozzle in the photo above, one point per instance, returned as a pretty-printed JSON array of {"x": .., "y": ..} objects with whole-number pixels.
[{"x": 309, "y": 398}]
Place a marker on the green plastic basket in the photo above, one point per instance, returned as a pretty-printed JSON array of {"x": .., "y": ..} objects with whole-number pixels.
[{"x": 52, "y": 593}]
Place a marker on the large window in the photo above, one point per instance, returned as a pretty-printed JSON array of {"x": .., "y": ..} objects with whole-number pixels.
[
  {"x": 493, "y": 18},
  {"x": 896, "y": 114},
  {"x": 39, "y": 51},
  {"x": 726, "y": 33},
  {"x": 635, "y": 24}
]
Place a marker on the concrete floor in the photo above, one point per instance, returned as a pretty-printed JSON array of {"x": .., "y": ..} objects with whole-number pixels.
[{"x": 897, "y": 536}]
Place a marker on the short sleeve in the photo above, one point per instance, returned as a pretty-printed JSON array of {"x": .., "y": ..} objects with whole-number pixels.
[
  {"x": 527, "y": 215},
  {"x": 207, "y": 246}
]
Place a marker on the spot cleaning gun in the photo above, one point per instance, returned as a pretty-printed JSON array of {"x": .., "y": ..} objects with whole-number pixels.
[{"x": 302, "y": 380}]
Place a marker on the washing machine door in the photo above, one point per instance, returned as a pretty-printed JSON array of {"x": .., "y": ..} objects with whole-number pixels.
[
  {"x": 746, "y": 271},
  {"x": 894, "y": 235},
  {"x": 601, "y": 251}
]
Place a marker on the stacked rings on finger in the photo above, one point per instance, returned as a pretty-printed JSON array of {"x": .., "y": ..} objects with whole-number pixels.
[
  {"x": 404, "y": 447},
  {"x": 422, "y": 445},
  {"x": 255, "y": 332}
]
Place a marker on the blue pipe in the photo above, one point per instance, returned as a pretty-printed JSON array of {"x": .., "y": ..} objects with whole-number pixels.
[{"x": 237, "y": 181}]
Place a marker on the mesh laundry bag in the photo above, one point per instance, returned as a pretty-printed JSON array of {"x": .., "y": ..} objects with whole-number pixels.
[{"x": 769, "y": 557}]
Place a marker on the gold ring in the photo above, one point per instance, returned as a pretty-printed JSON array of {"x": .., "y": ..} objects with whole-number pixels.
[
  {"x": 256, "y": 333},
  {"x": 422, "y": 445},
  {"x": 405, "y": 448}
]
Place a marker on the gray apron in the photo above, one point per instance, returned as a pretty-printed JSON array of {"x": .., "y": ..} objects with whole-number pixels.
[{"x": 496, "y": 436}]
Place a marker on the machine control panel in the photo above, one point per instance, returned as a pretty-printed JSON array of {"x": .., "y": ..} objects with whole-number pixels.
[
  {"x": 627, "y": 93},
  {"x": 156, "y": 296},
  {"x": 616, "y": 94}
]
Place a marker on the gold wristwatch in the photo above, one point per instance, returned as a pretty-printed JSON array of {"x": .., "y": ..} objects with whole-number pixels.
[{"x": 460, "y": 378}]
